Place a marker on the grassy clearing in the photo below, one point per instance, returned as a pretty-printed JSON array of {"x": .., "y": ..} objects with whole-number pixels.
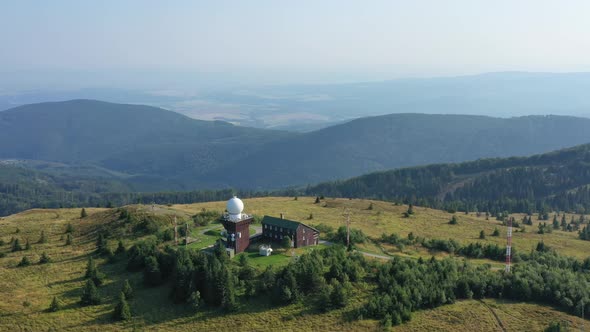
[{"x": 27, "y": 291}]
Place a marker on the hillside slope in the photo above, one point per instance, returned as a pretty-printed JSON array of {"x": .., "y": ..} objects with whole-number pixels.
[
  {"x": 558, "y": 180},
  {"x": 400, "y": 140},
  {"x": 139, "y": 140}
]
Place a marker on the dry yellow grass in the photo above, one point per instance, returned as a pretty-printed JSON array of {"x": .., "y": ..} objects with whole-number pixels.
[{"x": 36, "y": 285}]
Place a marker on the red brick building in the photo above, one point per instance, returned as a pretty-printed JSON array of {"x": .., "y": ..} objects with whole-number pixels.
[
  {"x": 275, "y": 229},
  {"x": 237, "y": 226}
]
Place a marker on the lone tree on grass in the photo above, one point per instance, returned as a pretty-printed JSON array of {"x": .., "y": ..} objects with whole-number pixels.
[
  {"x": 24, "y": 262},
  {"x": 482, "y": 235},
  {"x": 69, "y": 239},
  {"x": 496, "y": 232},
  {"x": 44, "y": 258},
  {"x": 122, "y": 311},
  {"x": 90, "y": 294},
  {"x": 69, "y": 228},
  {"x": 317, "y": 200},
  {"x": 410, "y": 209},
  {"x": 54, "y": 306},
  {"x": 27, "y": 245},
  {"x": 83, "y": 214},
  {"x": 42, "y": 237},
  {"x": 453, "y": 221},
  {"x": 16, "y": 245}
]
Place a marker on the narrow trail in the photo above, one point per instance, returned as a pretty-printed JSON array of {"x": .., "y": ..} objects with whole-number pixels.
[{"x": 495, "y": 315}]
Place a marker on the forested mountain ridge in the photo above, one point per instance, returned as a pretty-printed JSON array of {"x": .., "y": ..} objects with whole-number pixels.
[
  {"x": 401, "y": 140},
  {"x": 558, "y": 180},
  {"x": 152, "y": 149},
  {"x": 133, "y": 139}
]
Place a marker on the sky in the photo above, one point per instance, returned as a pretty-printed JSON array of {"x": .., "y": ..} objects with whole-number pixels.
[{"x": 63, "y": 41}]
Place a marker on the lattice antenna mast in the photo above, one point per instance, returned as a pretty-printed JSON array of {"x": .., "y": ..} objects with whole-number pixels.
[
  {"x": 347, "y": 214},
  {"x": 508, "y": 244},
  {"x": 175, "y": 232}
]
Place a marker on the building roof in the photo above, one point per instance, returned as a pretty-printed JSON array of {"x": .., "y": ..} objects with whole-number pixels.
[{"x": 284, "y": 223}]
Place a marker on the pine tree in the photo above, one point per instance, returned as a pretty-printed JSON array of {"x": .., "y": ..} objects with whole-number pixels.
[
  {"x": 27, "y": 245},
  {"x": 410, "y": 209},
  {"x": 93, "y": 273},
  {"x": 44, "y": 258},
  {"x": 496, "y": 232},
  {"x": 122, "y": 311},
  {"x": 286, "y": 242},
  {"x": 563, "y": 223},
  {"x": 42, "y": 237},
  {"x": 90, "y": 294},
  {"x": 83, "y": 214},
  {"x": 127, "y": 290},
  {"x": 16, "y": 245},
  {"x": 453, "y": 221},
  {"x": 69, "y": 239},
  {"x": 69, "y": 228},
  {"x": 555, "y": 223},
  {"x": 101, "y": 244},
  {"x": 482, "y": 235},
  {"x": 120, "y": 248},
  {"x": 54, "y": 306},
  {"x": 317, "y": 200},
  {"x": 24, "y": 262}
]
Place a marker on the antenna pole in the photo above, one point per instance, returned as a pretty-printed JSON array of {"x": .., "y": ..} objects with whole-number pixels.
[
  {"x": 347, "y": 214},
  {"x": 175, "y": 231},
  {"x": 186, "y": 236},
  {"x": 508, "y": 245}
]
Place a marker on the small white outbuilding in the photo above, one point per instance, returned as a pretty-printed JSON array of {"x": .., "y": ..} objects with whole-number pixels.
[{"x": 265, "y": 250}]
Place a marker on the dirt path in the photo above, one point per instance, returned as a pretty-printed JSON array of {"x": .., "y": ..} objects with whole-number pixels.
[{"x": 495, "y": 315}]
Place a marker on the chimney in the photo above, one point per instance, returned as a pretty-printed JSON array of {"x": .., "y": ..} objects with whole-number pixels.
[{"x": 282, "y": 216}]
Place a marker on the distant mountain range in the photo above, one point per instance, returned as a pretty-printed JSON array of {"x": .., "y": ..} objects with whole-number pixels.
[
  {"x": 149, "y": 149},
  {"x": 313, "y": 106}
]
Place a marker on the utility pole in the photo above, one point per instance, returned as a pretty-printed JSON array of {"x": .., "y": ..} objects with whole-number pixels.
[
  {"x": 347, "y": 214},
  {"x": 508, "y": 244},
  {"x": 186, "y": 236},
  {"x": 175, "y": 231}
]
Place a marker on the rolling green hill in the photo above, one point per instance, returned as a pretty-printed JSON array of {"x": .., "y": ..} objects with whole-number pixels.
[{"x": 28, "y": 289}]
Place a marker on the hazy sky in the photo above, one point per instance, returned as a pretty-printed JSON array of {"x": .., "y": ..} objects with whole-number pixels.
[{"x": 282, "y": 39}]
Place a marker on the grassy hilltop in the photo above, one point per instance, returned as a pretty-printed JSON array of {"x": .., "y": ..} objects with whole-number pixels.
[{"x": 28, "y": 291}]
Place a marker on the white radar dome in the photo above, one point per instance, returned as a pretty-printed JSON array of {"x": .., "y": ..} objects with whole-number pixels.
[{"x": 235, "y": 206}]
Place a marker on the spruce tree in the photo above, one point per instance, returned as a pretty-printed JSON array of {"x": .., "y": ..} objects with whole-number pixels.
[
  {"x": 122, "y": 311},
  {"x": 42, "y": 237},
  {"x": 127, "y": 290},
  {"x": 482, "y": 235},
  {"x": 453, "y": 221},
  {"x": 69, "y": 228},
  {"x": 16, "y": 245},
  {"x": 54, "y": 306},
  {"x": 83, "y": 214},
  {"x": 24, "y": 262},
  {"x": 496, "y": 232},
  {"x": 69, "y": 239},
  {"x": 27, "y": 245},
  {"x": 90, "y": 294},
  {"x": 410, "y": 209},
  {"x": 120, "y": 248},
  {"x": 93, "y": 273},
  {"x": 101, "y": 244},
  {"x": 44, "y": 258}
]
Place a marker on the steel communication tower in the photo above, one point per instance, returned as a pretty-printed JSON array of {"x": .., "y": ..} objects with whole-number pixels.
[{"x": 508, "y": 244}]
